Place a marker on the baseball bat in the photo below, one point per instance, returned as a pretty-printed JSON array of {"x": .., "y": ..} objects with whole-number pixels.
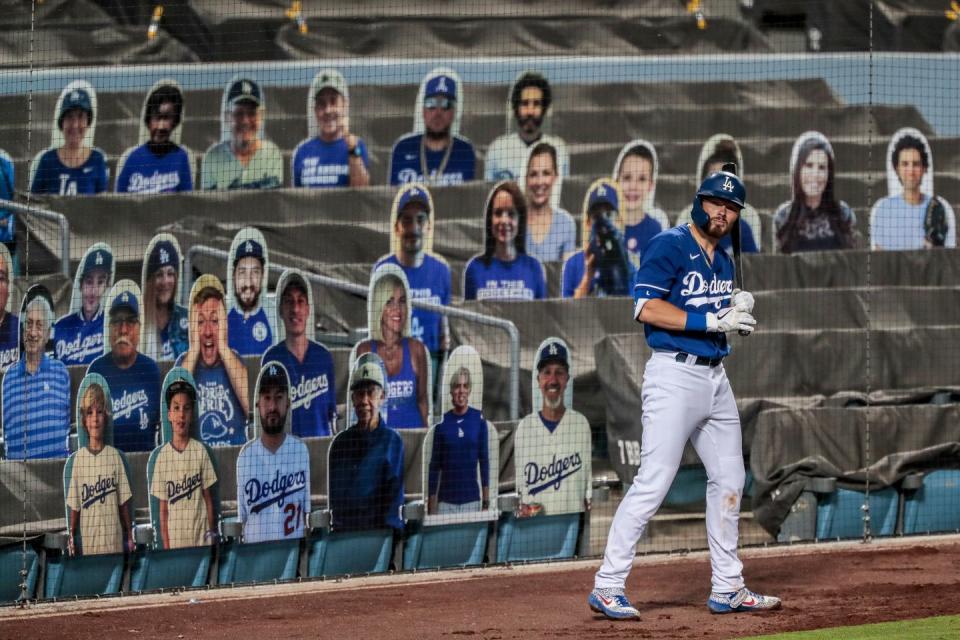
[{"x": 735, "y": 238}]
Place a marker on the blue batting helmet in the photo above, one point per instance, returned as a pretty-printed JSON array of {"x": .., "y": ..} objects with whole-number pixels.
[{"x": 722, "y": 184}]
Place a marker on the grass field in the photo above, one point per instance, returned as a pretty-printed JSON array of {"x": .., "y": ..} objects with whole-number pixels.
[{"x": 939, "y": 628}]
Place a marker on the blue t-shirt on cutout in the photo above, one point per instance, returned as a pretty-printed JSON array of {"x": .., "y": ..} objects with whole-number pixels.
[
  {"x": 317, "y": 163},
  {"x": 519, "y": 279},
  {"x": 55, "y": 178},
  {"x": 222, "y": 420}
]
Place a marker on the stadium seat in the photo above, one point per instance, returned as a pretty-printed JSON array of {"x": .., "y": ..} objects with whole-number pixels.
[
  {"x": 66, "y": 577},
  {"x": 840, "y": 514},
  {"x": 689, "y": 486},
  {"x": 12, "y": 560},
  {"x": 537, "y": 538},
  {"x": 336, "y": 553},
  {"x": 449, "y": 545},
  {"x": 933, "y": 506},
  {"x": 170, "y": 569},
  {"x": 256, "y": 562}
]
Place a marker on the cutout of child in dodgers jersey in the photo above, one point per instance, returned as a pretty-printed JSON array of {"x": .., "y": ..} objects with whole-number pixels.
[
  {"x": 273, "y": 469},
  {"x": 96, "y": 478},
  {"x": 554, "y": 468},
  {"x": 78, "y": 336},
  {"x": 181, "y": 472}
]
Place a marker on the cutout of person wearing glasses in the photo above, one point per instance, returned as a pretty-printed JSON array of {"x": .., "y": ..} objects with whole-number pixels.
[{"x": 435, "y": 153}]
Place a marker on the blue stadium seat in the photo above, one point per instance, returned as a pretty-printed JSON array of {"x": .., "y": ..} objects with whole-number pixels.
[
  {"x": 935, "y": 506},
  {"x": 172, "y": 569},
  {"x": 12, "y": 560},
  {"x": 355, "y": 552},
  {"x": 537, "y": 538},
  {"x": 82, "y": 575},
  {"x": 259, "y": 562},
  {"x": 449, "y": 545},
  {"x": 689, "y": 486},
  {"x": 840, "y": 514}
]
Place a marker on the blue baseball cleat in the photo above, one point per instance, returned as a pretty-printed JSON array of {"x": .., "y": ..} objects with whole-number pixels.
[
  {"x": 613, "y": 604},
  {"x": 742, "y": 601}
]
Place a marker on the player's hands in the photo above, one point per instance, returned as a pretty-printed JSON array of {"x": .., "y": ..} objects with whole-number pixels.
[
  {"x": 743, "y": 299},
  {"x": 731, "y": 319}
]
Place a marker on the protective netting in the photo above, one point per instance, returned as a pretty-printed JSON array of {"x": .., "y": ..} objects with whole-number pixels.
[{"x": 304, "y": 289}]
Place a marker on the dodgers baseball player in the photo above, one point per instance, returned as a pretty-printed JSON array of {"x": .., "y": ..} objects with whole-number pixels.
[{"x": 686, "y": 301}]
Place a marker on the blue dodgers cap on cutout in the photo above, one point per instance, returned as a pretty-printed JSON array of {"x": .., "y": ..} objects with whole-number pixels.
[
  {"x": 244, "y": 90},
  {"x": 553, "y": 351},
  {"x": 414, "y": 194},
  {"x": 273, "y": 376},
  {"x": 125, "y": 300},
  {"x": 248, "y": 249},
  {"x": 441, "y": 85},
  {"x": 76, "y": 99},
  {"x": 603, "y": 192},
  {"x": 99, "y": 259},
  {"x": 163, "y": 254}
]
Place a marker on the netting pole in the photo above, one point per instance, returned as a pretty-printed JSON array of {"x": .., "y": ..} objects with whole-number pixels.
[{"x": 867, "y": 534}]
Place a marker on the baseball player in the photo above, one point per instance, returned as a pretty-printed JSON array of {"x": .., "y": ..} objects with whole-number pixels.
[
  {"x": 96, "y": 478},
  {"x": 78, "y": 336},
  {"x": 248, "y": 268},
  {"x": 686, "y": 301},
  {"x": 273, "y": 471},
  {"x": 183, "y": 474}
]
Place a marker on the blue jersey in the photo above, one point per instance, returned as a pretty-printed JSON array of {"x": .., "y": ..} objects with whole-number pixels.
[
  {"x": 9, "y": 340},
  {"x": 405, "y": 165},
  {"x": 313, "y": 395},
  {"x": 366, "y": 479},
  {"x": 402, "y": 409},
  {"x": 146, "y": 172},
  {"x": 459, "y": 445},
  {"x": 222, "y": 420},
  {"x": 55, "y": 178},
  {"x": 36, "y": 410},
  {"x": 636, "y": 237},
  {"x": 520, "y": 279},
  {"x": 429, "y": 282},
  {"x": 675, "y": 269},
  {"x": 747, "y": 242},
  {"x": 175, "y": 337},
  {"x": 78, "y": 341},
  {"x": 135, "y": 395},
  {"x": 7, "y": 192},
  {"x": 249, "y": 336},
  {"x": 317, "y": 163}
]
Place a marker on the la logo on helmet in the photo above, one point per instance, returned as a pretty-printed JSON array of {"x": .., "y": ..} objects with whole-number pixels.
[
  {"x": 553, "y": 348},
  {"x": 727, "y": 185}
]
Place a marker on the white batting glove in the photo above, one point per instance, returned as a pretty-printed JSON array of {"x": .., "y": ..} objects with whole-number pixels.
[
  {"x": 731, "y": 319},
  {"x": 742, "y": 299}
]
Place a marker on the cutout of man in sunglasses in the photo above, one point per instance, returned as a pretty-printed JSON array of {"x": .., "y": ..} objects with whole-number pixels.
[{"x": 435, "y": 153}]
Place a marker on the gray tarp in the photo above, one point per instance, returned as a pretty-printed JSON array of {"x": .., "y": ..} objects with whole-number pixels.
[
  {"x": 877, "y": 444},
  {"x": 31, "y": 493}
]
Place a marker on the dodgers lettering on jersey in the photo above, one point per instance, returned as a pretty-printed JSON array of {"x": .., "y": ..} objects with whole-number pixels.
[
  {"x": 405, "y": 162},
  {"x": 145, "y": 172},
  {"x": 135, "y": 395},
  {"x": 312, "y": 391},
  {"x": 9, "y": 338},
  {"x": 317, "y": 163},
  {"x": 550, "y": 476},
  {"x": 429, "y": 282},
  {"x": 273, "y": 490},
  {"x": 675, "y": 269},
  {"x": 101, "y": 488},
  {"x": 78, "y": 341}
]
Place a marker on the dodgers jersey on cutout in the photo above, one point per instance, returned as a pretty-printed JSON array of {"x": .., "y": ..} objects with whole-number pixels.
[
  {"x": 405, "y": 162},
  {"x": 273, "y": 490},
  {"x": 312, "y": 388},
  {"x": 249, "y": 336},
  {"x": 135, "y": 395},
  {"x": 222, "y": 420},
  {"x": 460, "y": 445},
  {"x": 675, "y": 269},
  {"x": 402, "y": 408},
  {"x": 317, "y": 163},
  {"x": 9, "y": 337},
  {"x": 429, "y": 282},
  {"x": 146, "y": 172},
  {"x": 78, "y": 341}
]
